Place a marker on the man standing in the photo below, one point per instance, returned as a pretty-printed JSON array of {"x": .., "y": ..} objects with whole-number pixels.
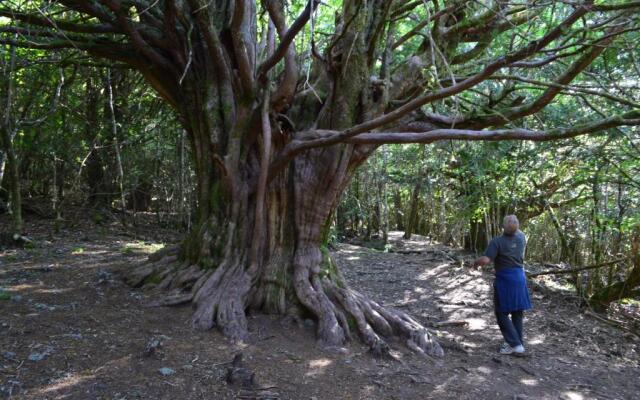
[{"x": 510, "y": 293}]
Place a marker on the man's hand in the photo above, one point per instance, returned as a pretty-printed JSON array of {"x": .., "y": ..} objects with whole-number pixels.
[{"x": 482, "y": 261}]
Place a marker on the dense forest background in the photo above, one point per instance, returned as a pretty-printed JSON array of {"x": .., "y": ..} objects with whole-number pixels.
[{"x": 95, "y": 137}]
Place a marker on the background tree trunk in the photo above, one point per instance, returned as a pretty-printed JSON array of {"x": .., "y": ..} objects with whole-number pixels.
[
  {"x": 99, "y": 196},
  {"x": 413, "y": 211},
  {"x": 7, "y": 134}
]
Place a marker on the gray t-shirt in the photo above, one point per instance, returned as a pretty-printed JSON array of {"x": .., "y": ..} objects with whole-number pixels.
[{"x": 507, "y": 250}]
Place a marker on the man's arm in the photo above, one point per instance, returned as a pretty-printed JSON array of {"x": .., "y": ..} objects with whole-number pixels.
[{"x": 489, "y": 255}]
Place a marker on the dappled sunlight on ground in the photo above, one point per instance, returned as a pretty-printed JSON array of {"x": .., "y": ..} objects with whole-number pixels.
[
  {"x": 569, "y": 395},
  {"x": 65, "y": 383},
  {"x": 429, "y": 282},
  {"x": 476, "y": 324},
  {"x": 53, "y": 291},
  {"x": 430, "y": 273},
  {"x": 529, "y": 381},
  {"x": 536, "y": 339},
  {"x": 318, "y": 367},
  {"x": 94, "y": 331},
  {"x": 25, "y": 287}
]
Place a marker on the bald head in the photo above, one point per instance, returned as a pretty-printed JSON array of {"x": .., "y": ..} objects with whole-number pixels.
[{"x": 510, "y": 224}]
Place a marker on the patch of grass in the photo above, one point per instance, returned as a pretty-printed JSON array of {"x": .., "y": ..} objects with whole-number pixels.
[
  {"x": 127, "y": 250},
  {"x": 141, "y": 246},
  {"x": 630, "y": 302},
  {"x": 11, "y": 257},
  {"x": 5, "y": 295},
  {"x": 374, "y": 244},
  {"x": 98, "y": 218},
  {"x": 153, "y": 279},
  {"x": 33, "y": 251},
  {"x": 77, "y": 250}
]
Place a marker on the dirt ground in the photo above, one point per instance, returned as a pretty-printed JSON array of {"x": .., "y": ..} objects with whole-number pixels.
[{"x": 70, "y": 329}]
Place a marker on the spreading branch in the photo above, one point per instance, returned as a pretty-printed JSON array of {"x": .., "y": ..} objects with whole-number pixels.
[
  {"x": 452, "y": 90},
  {"x": 288, "y": 38}
]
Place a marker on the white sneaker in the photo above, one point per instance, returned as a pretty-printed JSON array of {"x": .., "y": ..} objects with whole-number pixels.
[{"x": 507, "y": 349}]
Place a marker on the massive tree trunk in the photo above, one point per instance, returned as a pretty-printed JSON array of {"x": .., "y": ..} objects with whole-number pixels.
[
  {"x": 259, "y": 240},
  {"x": 226, "y": 267}
]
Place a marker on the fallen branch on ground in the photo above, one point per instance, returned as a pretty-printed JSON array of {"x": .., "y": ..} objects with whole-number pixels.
[
  {"x": 614, "y": 323},
  {"x": 450, "y": 323},
  {"x": 572, "y": 270}
]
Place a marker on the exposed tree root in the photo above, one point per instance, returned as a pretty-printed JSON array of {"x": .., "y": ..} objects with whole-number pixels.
[
  {"x": 375, "y": 322},
  {"x": 335, "y": 305},
  {"x": 221, "y": 297},
  {"x": 150, "y": 271},
  {"x": 14, "y": 241},
  {"x": 221, "y": 301}
]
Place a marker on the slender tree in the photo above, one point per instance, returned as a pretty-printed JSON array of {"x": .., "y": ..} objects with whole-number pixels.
[
  {"x": 278, "y": 117},
  {"x": 20, "y": 110},
  {"x": 7, "y": 134}
]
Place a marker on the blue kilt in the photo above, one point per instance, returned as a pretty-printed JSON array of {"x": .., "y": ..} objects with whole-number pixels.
[{"x": 510, "y": 290}]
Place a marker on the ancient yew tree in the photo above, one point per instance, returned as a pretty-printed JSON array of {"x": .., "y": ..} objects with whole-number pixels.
[{"x": 282, "y": 100}]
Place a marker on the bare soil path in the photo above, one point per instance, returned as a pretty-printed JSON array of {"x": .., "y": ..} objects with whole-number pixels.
[{"x": 70, "y": 329}]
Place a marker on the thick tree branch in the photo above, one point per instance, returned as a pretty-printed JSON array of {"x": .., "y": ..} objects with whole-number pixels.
[
  {"x": 416, "y": 29},
  {"x": 404, "y": 8},
  {"x": 622, "y": 6},
  {"x": 241, "y": 50},
  {"x": 468, "y": 83},
  {"x": 171, "y": 30},
  {"x": 322, "y": 138},
  {"x": 136, "y": 38},
  {"x": 482, "y": 21},
  {"x": 576, "y": 89},
  {"x": 628, "y": 119},
  {"x": 216, "y": 50},
  {"x": 33, "y": 19},
  {"x": 288, "y": 37},
  {"x": 505, "y": 116},
  {"x": 47, "y": 45},
  {"x": 30, "y": 33},
  {"x": 91, "y": 9},
  {"x": 285, "y": 92}
]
